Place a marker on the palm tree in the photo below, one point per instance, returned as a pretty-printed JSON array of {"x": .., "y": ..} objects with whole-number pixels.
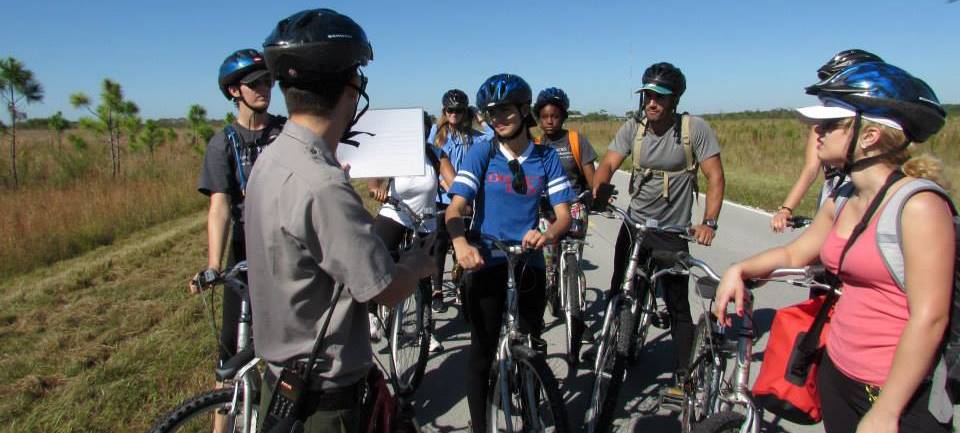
[{"x": 17, "y": 86}]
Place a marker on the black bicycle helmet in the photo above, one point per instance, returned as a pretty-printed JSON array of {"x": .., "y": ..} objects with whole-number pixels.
[
  {"x": 664, "y": 76},
  {"x": 552, "y": 95},
  {"x": 314, "y": 45},
  {"x": 455, "y": 98},
  {"x": 882, "y": 90},
  {"x": 844, "y": 60},
  {"x": 238, "y": 65}
]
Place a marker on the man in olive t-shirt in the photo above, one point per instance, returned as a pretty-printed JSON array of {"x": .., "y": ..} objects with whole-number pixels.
[{"x": 663, "y": 151}]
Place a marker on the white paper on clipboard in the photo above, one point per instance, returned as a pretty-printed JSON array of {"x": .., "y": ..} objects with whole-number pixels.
[{"x": 395, "y": 150}]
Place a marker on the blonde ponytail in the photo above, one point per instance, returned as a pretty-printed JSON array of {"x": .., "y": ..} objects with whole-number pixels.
[{"x": 927, "y": 166}]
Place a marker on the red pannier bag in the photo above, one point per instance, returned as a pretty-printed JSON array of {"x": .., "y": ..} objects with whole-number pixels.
[{"x": 787, "y": 384}]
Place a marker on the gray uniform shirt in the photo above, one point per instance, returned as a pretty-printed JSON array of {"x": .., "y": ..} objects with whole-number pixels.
[
  {"x": 665, "y": 152},
  {"x": 306, "y": 230}
]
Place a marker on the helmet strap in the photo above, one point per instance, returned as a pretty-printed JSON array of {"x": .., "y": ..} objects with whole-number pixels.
[
  {"x": 871, "y": 160},
  {"x": 348, "y": 134},
  {"x": 855, "y": 137}
]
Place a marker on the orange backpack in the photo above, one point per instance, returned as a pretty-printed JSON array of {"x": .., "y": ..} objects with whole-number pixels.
[{"x": 574, "y": 147}]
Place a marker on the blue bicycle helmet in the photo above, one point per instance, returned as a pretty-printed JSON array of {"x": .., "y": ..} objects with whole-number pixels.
[
  {"x": 882, "y": 90},
  {"x": 503, "y": 89},
  {"x": 238, "y": 66},
  {"x": 552, "y": 95}
]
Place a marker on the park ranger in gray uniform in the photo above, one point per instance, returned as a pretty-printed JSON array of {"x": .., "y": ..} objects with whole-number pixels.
[
  {"x": 667, "y": 149},
  {"x": 307, "y": 229}
]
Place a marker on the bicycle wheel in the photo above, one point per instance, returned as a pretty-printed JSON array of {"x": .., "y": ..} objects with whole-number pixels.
[
  {"x": 573, "y": 316},
  {"x": 410, "y": 339},
  {"x": 706, "y": 368},
  {"x": 608, "y": 376},
  {"x": 196, "y": 415},
  {"x": 721, "y": 422},
  {"x": 528, "y": 400},
  {"x": 641, "y": 326}
]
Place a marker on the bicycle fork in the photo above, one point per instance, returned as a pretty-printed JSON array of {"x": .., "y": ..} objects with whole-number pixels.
[{"x": 740, "y": 393}]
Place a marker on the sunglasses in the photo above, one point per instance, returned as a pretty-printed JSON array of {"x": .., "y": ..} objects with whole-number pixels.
[
  {"x": 828, "y": 125},
  {"x": 519, "y": 183},
  {"x": 262, "y": 82},
  {"x": 499, "y": 111},
  {"x": 454, "y": 110}
]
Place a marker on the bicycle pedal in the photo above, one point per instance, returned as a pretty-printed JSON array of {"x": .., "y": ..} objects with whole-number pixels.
[
  {"x": 661, "y": 320},
  {"x": 671, "y": 399}
]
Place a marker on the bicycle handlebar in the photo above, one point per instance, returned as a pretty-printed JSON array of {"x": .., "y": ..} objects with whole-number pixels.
[
  {"x": 652, "y": 225},
  {"x": 798, "y": 222},
  {"x": 230, "y": 278},
  {"x": 509, "y": 250}
]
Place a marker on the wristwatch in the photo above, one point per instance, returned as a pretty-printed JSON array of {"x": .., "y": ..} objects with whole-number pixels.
[{"x": 710, "y": 222}]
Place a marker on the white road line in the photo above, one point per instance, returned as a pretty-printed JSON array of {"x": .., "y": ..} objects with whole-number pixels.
[{"x": 726, "y": 202}]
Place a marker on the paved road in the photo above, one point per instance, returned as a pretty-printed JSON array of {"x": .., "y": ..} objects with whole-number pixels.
[{"x": 441, "y": 399}]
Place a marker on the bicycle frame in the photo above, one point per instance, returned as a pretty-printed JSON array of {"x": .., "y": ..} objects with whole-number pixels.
[
  {"x": 248, "y": 376},
  {"x": 569, "y": 249}
]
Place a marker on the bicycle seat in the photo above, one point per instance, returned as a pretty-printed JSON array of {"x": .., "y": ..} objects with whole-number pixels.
[{"x": 229, "y": 369}]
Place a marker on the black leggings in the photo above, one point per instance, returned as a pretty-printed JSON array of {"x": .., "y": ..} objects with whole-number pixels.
[
  {"x": 676, "y": 288},
  {"x": 486, "y": 299},
  {"x": 844, "y": 401}
]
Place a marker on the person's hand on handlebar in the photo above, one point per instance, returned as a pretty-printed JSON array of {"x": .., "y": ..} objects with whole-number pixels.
[
  {"x": 203, "y": 280},
  {"x": 780, "y": 219},
  {"x": 468, "y": 256},
  {"x": 534, "y": 240},
  {"x": 703, "y": 234},
  {"x": 731, "y": 287}
]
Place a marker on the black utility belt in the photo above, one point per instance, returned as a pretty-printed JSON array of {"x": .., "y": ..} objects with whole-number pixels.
[{"x": 317, "y": 398}]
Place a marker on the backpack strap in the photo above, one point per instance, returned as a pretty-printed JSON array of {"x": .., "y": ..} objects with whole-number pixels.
[
  {"x": 237, "y": 144},
  {"x": 574, "y": 139},
  {"x": 889, "y": 239},
  {"x": 646, "y": 173}
]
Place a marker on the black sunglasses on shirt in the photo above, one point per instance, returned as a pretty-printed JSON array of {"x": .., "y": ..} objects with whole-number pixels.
[{"x": 519, "y": 179}]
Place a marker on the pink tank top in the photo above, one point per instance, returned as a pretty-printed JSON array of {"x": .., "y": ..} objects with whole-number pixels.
[{"x": 872, "y": 312}]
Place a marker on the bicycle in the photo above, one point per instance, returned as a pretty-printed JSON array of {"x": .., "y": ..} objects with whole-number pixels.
[
  {"x": 237, "y": 403},
  {"x": 734, "y": 391},
  {"x": 567, "y": 285},
  {"x": 708, "y": 356},
  {"x": 522, "y": 388},
  {"x": 411, "y": 321},
  {"x": 627, "y": 319}
]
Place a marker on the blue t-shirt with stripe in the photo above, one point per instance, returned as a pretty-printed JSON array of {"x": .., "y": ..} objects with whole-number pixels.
[{"x": 501, "y": 212}]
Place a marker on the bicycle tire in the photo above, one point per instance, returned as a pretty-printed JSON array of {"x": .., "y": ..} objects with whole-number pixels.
[
  {"x": 706, "y": 367},
  {"x": 573, "y": 316},
  {"x": 196, "y": 414},
  {"x": 721, "y": 422},
  {"x": 530, "y": 379},
  {"x": 644, "y": 316},
  {"x": 608, "y": 377},
  {"x": 410, "y": 339}
]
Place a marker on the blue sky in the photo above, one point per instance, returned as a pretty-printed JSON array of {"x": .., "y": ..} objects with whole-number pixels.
[{"x": 737, "y": 54}]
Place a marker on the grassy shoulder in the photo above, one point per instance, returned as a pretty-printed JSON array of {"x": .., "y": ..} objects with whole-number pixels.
[{"x": 108, "y": 340}]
